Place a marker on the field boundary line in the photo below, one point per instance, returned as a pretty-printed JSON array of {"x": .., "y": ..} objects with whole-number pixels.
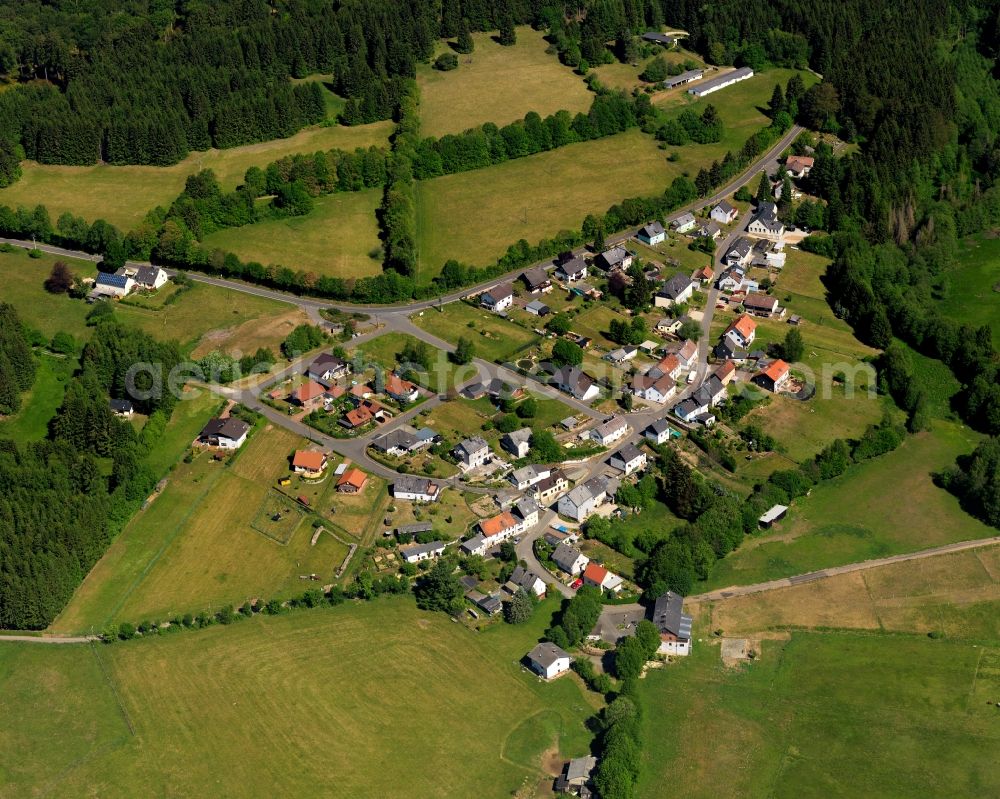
[{"x": 114, "y": 690}]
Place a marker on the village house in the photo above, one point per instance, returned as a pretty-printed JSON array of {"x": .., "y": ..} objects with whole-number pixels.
[
  {"x": 657, "y": 431},
  {"x": 684, "y": 222},
  {"x": 704, "y": 276},
  {"x": 669, "y": 365},
  {"x": 309, "y": 463},
  {"x": 325, "y": 368},
  {"x": 497, "y": 299},
  {"x": 739, "y": 252},
  {"x": 146, "y": 278},
  {"x": 399, "y": 441},
  {"x": 674, "y": 292},
  {"x": 499, "y": 528},
  {"x": 400, "y": 390},
  {"x": 673, "y": 625},
  {"x": 528, "y": 476},
  {"x": 309, "y": 395},
  {"x": 352, "y": 481},
  {"x": 659, "y": 38},
  {"x": 669, "y": 326},
  {"x": 721, "y": 82},
  {"x": 575, "y": 778},
  {"x": 724, "y": 213},
  {"x": 622, "y": 354},
  {"x": 765, "y": 222},
  {"x": 548, "y": 660},
  {"x": 575, "y": 382},
  {"x": 696, "y": 407},
  {"x": 774, "y": 377},
  {"x": 228, "y": 433},
  {"x": 475, "y": 546},
  {"x": 415, "y": 489},
  {"x": 473, "y": 452},
  {"x": 651, "y": 234},
  {"x": 762, "y": 305},
  {"x": 356, "y": 418},
  {"x": 111, "y": 285},
  {"x": 685, "y": 351},
  {"x": 527, "y": 581},
  {"x": 654, "y": 389},
  {"x": 726, "y": 372},
  {"x": 551, "y": 486},
  {"x": 571, "y": 270},
  {"x": 569, "y": 559},
  {"x": 584, "y": 499},
  {"x": 517, "y": 442},
  {"x": 419, "y": 552},
  {"x": 554, "y": 537},
  {"x": 673, "y": 81},
  {"x": 616, "y": 258},
  {"x": 708, "y": 230},
  {"x": 599, "y": 577},
  {"x": 122, "y": 408},
  {"x": 610, "y": 431},
  {"x": 629, "y": 459},
  {"x": 798, "y": 166},
  {"x": 741, "y": 332},
  {"x": 536, "y": 280},
  {"x": 526, "y": 511},
  {"x": 731, "y": 279}
]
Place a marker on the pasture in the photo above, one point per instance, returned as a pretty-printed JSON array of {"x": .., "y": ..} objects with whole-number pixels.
[
  {"x": 824, "y": 715},
  {"x": 495, "y": 339},
  {"x": 122, "y": 195},
  {"x": 378, "y": 698},
  {"x": 972, "y": 294},
  {"x": 497, "y": 84},
  {"x": 195, "y": 546},
  {"x": 23, "y": 287},
  {"x": 957, "y": 595},
  {"x": 334, "y": 239},
  {"x": 883, "y": 506},
  {"x": 626, "y": 76},
  {"x": 474, "y": 216}
]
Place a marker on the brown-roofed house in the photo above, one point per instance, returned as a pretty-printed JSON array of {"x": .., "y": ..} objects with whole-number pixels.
[
  {"x": 309, "y": 462},
  {"x": 400, "y": 390},
  {"x": 798, "y": 166},
  {"x": 308, "y": 395},
  {"x": 352, "y": 481},
  {"x": 726, "y": 372},
  {"x": 357, "y": 417}
]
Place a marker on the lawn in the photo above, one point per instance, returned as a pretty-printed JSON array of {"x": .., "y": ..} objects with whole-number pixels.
[
  {"x": 385, "y": 348},
  {"x": 498, "y": 84},
  {"x": 494, "y": 338},
  {"x": 122, "y": 195},
  {"x": 972, "y": 295},
  {"x": 475, "y": 216},
  {"x": 40, "y": 404},
  {"x": 957, "y": 595},
  {"x": 626, "y": 76},
  {"x": 451, "y": 505},
  {"x": 334, "y": 239},
  {"x": 195, "y": 547},
  {"x": 370, "y": 697},
  {"x": 881, "y": 507},
  {"x": 23, "y": 278},
  {"x": 825, "y": 715}
]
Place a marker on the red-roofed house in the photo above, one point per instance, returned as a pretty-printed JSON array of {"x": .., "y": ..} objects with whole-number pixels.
[
  {"x": 356, "y": 417},
  {"x": 352, "y": 481},
  {"x": 742, "y": 332},
  {"x": 774, "y": 377},
  {"x": 309, "y": 395},
  {"x": 599, "y": 577},
  {"x": 499, "y": 528},
  {"x": 798, "y": 166},
  {"x": 726, "y": 373},
  {"x": 308, "y": 462},
  {"x": 401, "y": 390},
  {"x": 705, "y": 275}
]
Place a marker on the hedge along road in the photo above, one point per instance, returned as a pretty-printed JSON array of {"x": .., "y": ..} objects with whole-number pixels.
[{"x": 767, "y": 162}]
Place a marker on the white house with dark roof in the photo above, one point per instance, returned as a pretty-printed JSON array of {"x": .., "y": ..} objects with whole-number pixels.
[
  {"x": 528, "y": 476},
  {"x": 684, "y": 222},
  {"x": 658, "y": 431},
  {"x": 765, "y": 222},
  {"x": 121, "y": 407},
  {"x": 610, "y": 431},
  {"x": 724, "y": 213},
  {"x": 574, "y": 381},
  {"x": 536, "y": 280},
  {"x": 112, "y": 285},
  {"x": 675, "y": 291},
  {"x": 673, "y": 625},
  {"x": 419, "y": 552},
  {"x": 326, "y": 367},
  {"x": 517, "y": 442},
  {"x": 629, "y": 459},
  {"x": 551, "y": 486},
  {"x": 548, "y": 660},
  {"x": 614, "y": 258},
  {"x": 526, "y": 512},
  {"x": 584, "y": 499},
  {"x": 654, "y": 388},
  {"x": 651, "y": 234},
  {"x": 525, "y": 580},
  {"x": 709, "y": 229},
  {"x": 497, "y": 299},
  {"x": 473, "y": 452},
  {"x": 572, "y": 270},
  {"x": 229, "y": 433},
  {"x": 570, "y": 559},
  {"x": 415, "y": 489},
  {"x": 149, "y": 277}
]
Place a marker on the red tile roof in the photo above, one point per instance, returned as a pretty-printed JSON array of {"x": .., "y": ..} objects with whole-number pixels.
[
  {"x": 776, "y": 370},
  {"x": 358, "y": 417},
  {"x": 595, "y": 572},
  {"x": 353, "y": 477},
  {"x": 497, "y": 524},
  {"x": 396, "y": 386},
  {"x": 309, "y": 459},
  {"x": 308, "y": 391},
  {"x": 745, "y": 326}
]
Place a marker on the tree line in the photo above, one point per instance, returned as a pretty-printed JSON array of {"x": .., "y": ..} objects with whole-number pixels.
[{"x": 17, "y": 363}]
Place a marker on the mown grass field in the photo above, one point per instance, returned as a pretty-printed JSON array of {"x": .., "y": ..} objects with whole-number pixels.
[
  {"x": 379, "y": 699},
  {"x": 880, "y": 507},
  {"x": 494, "y": 338},
  {"x": 957, "y": 595},
  {"x": 122, "y": 195},
  {"x": 475, "y": 216},
  {"x": 194, "y": 547},
  {"x": 334, "y": 239},
  {"x": 971, "y": 296},
  {"x": 825, "y": 715},
  {"x": 497, "y": 84},
  {"x": 23, "y": 287}
]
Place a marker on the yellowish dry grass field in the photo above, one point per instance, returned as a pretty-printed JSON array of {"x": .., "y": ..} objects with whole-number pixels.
[
  {"x": 497, "y": 84},
  {"x": 122, "y": 195}
]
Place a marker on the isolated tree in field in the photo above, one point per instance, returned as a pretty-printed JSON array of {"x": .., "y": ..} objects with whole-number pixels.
[
  {"x": 655, "y": 71},
  {"x": 794, "y": 347},
  {"x": 628, "y": 400},
  {"x": 464, "y": 352},
  {"x": 567, "y": 353},
  {"x": 508, "y": 36},
  {"x": 764, "y": 189},
  {"x": 519, "y": 609},
  {"x": 465, "y": 43},
  {"x": 60, "y": 279},
  {"x": 446, "y": 62}
]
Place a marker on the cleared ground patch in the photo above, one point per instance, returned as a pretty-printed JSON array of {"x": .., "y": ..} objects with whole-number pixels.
[
  {"x": 824, "y": 715},
  {"x": 334, "y": 239},
  {"x": 122, "y": 195},
  {"x": 475, "y": 216},
  {"x": 497, "y": 84},
  {"x": 379, "y": 699},
  {"x": 881, "y": 507},
  {"x": 494, "y": 338}
]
